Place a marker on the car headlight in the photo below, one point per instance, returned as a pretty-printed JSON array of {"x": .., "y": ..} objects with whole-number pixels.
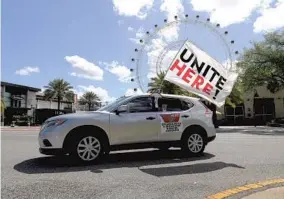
[{"x": 53, "y": 123}]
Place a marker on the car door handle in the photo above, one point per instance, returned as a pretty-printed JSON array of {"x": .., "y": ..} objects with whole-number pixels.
[
  {"x": 150, "y": 118},
  {"x": 184, "y": 116}
]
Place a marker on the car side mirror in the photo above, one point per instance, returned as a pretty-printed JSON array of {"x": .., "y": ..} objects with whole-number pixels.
[{"x": 121, "y": 109}]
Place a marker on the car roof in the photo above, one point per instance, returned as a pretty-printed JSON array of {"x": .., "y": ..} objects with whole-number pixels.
[{"x": 170, "y": 95}]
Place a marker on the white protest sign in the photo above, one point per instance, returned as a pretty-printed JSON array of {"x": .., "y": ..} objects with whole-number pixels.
[
  {"x": 195, "y": 71},
  {"x": 171, "y": 123}
]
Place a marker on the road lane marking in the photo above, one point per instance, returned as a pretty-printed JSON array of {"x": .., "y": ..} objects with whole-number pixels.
[{"x": 236, "y": 190}]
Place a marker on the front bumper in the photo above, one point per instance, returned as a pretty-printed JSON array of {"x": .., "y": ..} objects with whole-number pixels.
[
  {"x": 51, "y": 151},
  {"x": 52, "y": 137}
]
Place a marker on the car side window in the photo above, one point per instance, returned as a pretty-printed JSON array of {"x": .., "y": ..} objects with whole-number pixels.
[
  {"x": 169, "y": 104},
  {"x": 141, "y": 104},
  {"x": 186, "y": 104}
]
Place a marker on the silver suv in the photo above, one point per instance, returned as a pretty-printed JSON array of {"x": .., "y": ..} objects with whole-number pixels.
[{"x": 140, "y": 121}]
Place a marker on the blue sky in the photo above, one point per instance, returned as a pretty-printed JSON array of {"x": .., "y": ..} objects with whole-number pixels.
[{"x": 90, "y": 43}]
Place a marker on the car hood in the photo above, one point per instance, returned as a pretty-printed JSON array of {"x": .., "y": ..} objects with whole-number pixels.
[{"x": 81, "y": 115}]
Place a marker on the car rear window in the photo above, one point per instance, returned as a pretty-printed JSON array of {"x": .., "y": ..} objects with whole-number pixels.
[{"x": 171, "y": 104}]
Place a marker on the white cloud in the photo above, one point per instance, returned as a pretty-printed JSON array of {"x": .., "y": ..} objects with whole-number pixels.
[
  {"x": 86, "y": 69},
  {"x": 154, "y": 49},
  {"x": 271, "y": 18},
  {"x": 227, "y": 12},
  {"x": 83, "y": 76},
  {"x": 130, "y": 29},
  {"x": 42, "y": 91},
  {"x": 138, "y": 8},
  {"x": 170, "y": 33},
  {"x": 172, "y": 8},
  {"x": 139, "y": 35},
  {"x": 165, "y": 36},
  {"x": 122, "y": 72},
  {"x": 130, "y": 92},
  {"x": 135, "y": 41},
  {"x": 154, "y": 60},
  {"x": 102, "y": 93},
  {"x": 27, "y": 70},
  {"x": 230, "y": 65}
]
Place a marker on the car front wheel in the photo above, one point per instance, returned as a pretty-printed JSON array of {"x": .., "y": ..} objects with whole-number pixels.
[{"x": 87, "y": 148}]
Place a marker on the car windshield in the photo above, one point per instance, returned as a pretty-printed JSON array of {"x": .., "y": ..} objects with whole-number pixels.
[{"x": 112, "y": 105}]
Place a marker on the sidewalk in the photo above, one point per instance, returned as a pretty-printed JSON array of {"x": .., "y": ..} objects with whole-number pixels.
[
  {"x": 19, "y": 128},
  {"x": 273, "y": 193}
]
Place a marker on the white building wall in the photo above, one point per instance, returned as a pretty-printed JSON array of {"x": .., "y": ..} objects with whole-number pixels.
[
  {"x": 263, "y": 92},
  {"x": 42, "y": 104},
  {"x": 31, "y": 99}
]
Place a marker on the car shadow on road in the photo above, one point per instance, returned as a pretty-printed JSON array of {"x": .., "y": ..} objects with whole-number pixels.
[
  {"x": 189, "y": 169},
  {"x": 53, "y": 164}
]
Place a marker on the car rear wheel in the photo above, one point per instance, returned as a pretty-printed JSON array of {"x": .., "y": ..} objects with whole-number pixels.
[
  {"x": 87, "y": 148},
  {"x": 193, "y": 143}
]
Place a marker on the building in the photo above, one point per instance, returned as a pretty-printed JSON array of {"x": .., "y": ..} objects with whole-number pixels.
[
  {"x": 18, "y": 100},
  {"x": 259, "y": 107},
  {"x": 42, "y": 103},
  {"x": 27, "y": 102}
]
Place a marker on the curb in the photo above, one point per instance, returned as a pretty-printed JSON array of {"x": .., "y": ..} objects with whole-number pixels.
[
  {"x": 245, "y": 188},
  {"x": 271, "y": 193},
  {"x": 275, "y": 125}
]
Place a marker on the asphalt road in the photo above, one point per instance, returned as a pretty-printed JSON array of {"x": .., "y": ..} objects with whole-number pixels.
[{"x": 238, "y": 156}]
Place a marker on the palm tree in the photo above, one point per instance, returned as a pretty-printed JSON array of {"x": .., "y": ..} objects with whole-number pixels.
[
  {"x": 158, "y": 84},
  {"x": 89, "y": 98},
  {"x": 2, "y": 106},
  {"x": 2, "y": 111},
  {"x": 59, "y": 89}
]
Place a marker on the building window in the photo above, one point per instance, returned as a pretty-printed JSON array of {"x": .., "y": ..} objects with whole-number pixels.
[
  {"x": 7, "y": 99},
  {"x": 234, "y": 115}
]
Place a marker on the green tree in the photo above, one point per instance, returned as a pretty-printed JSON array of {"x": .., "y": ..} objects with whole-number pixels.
[
  {"x": 89, "y": 98},
  {"x": 236, "y": 96},
  {"x": 263, "y": 64},
  {"x": 158, "y": 83},
  {"x": 59, "y": 89}
]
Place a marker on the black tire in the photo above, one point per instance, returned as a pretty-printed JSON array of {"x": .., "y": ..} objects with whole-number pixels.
[
  {"x": 190, "y": 137},
  {"x": 96, "y": 150}
]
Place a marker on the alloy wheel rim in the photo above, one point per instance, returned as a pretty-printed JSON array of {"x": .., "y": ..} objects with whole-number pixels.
[
  {"x": 89, "y": 148},
  {"x": 195, "y": 143}
]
